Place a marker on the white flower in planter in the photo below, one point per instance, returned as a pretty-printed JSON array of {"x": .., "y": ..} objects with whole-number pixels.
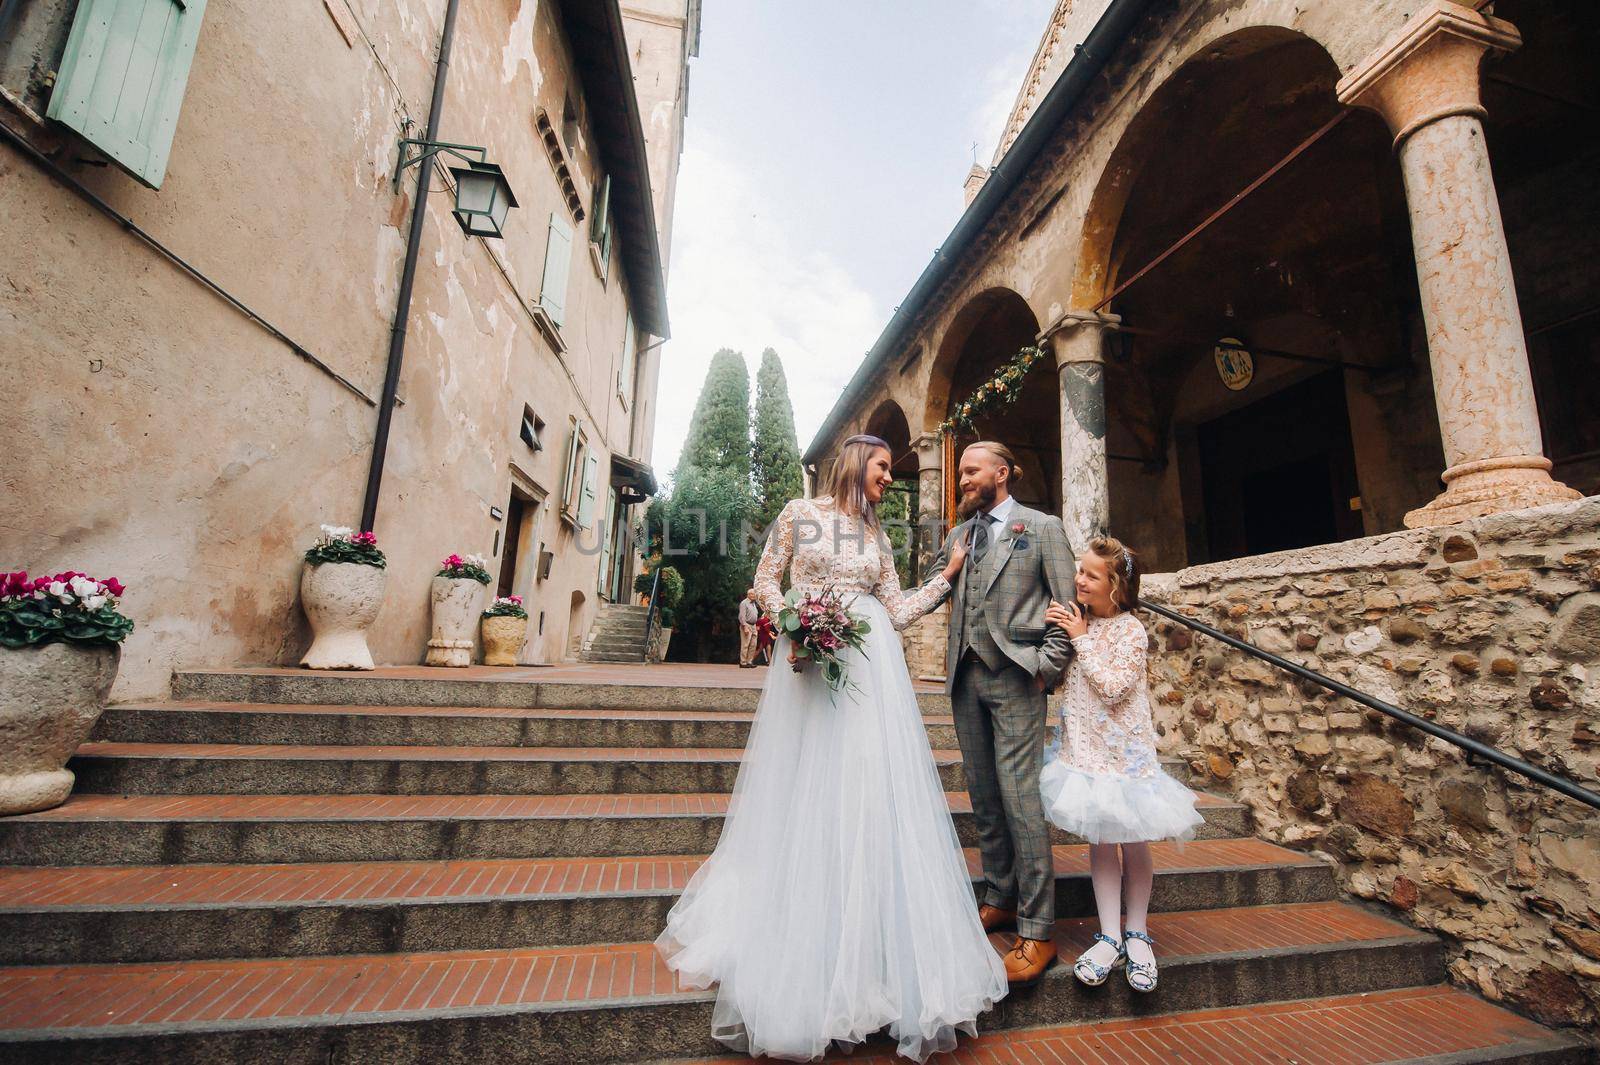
[
  {"x": 58, "y": 590},
  {"x": 336, "y": 532}
]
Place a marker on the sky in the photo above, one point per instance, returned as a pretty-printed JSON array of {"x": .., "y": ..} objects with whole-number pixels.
[{"x": 825, "y": 150}]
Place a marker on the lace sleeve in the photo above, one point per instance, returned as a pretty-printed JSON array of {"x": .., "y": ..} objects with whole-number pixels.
[
  {"x": 775, "y": 558},
  {"x": 904, "y": 610},
  {"x": 1115, "y": 664}
]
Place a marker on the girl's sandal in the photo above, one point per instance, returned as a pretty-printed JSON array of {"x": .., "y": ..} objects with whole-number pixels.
[
  {"x": 1141, "y": 976},
  {"x": 1091, "y": 973}
]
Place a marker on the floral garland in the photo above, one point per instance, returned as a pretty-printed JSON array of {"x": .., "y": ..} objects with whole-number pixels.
[{"x": 1003, "y": 387}]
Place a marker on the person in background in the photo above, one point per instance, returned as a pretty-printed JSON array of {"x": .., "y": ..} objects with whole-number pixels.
[{"x": 749, "y": 615}]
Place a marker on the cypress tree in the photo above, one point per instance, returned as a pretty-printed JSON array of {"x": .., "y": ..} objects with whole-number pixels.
[
  {"x": 699, "y": 523},
  {"x": 775, "y": 455}
]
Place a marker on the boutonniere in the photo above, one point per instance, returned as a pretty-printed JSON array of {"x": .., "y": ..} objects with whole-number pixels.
[{"x": 1017, "y": 529}]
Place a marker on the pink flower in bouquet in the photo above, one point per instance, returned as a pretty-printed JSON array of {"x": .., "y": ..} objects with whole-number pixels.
[
  {"x": 365, "y": 539},
  {"x": 115, "y": 587},
  {"x": 517, "y": 599},
  {"x": 454, "y": 562}
]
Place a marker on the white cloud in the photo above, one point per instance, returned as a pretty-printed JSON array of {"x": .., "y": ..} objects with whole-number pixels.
[{"x": 744, "y": 277}]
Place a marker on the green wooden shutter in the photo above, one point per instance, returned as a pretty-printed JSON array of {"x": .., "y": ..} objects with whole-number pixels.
[
  {"x": 122, "y": 78},
  {"x": 570, "y": 492},
  {"x": 609, "y": 548},
  {"x": 600, "y": 222},
  {"x": 586, "y": 499},
  {"x": 630, "y": 347},
  {"x": 557, "y": 265}
]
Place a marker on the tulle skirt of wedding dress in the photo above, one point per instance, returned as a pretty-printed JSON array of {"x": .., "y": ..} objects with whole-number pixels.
[{"x": 837, "y": 902}]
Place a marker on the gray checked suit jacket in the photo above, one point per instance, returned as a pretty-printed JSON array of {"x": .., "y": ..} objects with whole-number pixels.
[{"x": 1021, "y": 573}]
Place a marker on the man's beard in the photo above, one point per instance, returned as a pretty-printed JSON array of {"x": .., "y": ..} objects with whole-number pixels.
[{"x": 981, "y": 498}]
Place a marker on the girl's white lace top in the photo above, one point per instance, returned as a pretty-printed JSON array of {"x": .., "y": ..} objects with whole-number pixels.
[
  {"x": 1106, "y": 725},
  {"x": 823, "y": 548}
]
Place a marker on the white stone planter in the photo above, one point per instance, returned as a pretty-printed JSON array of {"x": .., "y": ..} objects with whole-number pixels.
[
  {"x": 50, "y": 697},
  {"x": 341, "y": 601},
  {"x": 457, "y": 603},
  {"x": 502, "y": 640}
]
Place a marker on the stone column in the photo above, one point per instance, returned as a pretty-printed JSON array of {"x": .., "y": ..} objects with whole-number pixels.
[
  {"x": 1424, "y": 82},
  {"x": 930, "y": 496},
  {"x": 1079, "y": 345}
]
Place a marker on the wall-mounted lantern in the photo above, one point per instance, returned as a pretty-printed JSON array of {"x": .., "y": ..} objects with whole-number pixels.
[{"x": 483, "y": 196}]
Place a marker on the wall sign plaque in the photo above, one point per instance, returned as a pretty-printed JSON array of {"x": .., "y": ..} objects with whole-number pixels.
[{"x": 1234, "y": 364}]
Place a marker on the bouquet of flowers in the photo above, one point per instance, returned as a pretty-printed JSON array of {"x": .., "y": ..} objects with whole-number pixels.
[
  {"x": 70, "y": 607},
  {"x": 342, "y": 544},
  {"x": 820, "y": 628},
  {"x": 506, "y": 606},
  {"x": 474, "y": 566}
]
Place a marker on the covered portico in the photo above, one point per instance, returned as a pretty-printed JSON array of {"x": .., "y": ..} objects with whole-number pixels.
[{"x": 1293, "y": 271}]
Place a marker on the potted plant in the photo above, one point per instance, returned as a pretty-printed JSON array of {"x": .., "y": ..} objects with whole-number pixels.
[
  {"x": 457, "y": 596},
  {"x": 59, "y": 649},
  {"x": 341, "y": 588},
  {"x": 505, "y": 626}
]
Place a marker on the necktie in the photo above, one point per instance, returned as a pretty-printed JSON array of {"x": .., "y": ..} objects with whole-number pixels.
[{"x": 980, "y": 536}]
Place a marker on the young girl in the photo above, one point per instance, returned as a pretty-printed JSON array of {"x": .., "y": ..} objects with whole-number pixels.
[{"x": 1106, "y": 783}]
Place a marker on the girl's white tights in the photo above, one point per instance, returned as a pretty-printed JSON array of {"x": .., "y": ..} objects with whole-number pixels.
[{"x": 1121, "y": 886}]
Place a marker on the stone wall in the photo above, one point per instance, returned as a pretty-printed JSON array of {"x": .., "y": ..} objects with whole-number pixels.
[{"x": 1491, "y": 628}]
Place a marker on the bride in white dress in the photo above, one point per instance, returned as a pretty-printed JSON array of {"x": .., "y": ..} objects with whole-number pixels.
[{"x": 837, "y": 902}]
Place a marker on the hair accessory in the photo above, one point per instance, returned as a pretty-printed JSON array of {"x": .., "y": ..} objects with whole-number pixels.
[{"x": 1127, "y": 563}]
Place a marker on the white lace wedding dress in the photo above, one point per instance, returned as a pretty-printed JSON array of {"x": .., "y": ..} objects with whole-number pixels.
[{"x": 837, "y": 903}]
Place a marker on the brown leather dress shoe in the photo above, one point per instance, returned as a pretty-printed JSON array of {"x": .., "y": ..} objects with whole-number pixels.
[
  {"x": 1028, "y": 960},
  {"x": 994, "y": 918}
]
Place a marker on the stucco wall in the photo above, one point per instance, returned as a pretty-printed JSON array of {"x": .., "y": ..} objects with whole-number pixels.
[{"x": 162, "y": 437}]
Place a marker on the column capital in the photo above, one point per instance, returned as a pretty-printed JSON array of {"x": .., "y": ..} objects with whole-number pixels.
[
  {"x": 1079, "y": 336},
  {"x": 930, "y": 451},
  {"x": 1428, "y": 68}
]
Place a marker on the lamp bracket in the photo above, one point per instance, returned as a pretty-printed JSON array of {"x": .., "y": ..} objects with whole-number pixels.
[{"x": 429, "y": 150}]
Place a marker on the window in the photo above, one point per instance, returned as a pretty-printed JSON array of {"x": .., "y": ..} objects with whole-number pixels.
[
  {"x": 557, "y": 265},
  {"x": 630, "y": 358},
  {"x": 569, "y": 128},
  {"x": 33, "y": 37},
  {"x": 600, "y": 226},
  {"x": 578, "y": 484},
  {"x": 119, "y": 75},
  {"x": 532, "y": 428}
]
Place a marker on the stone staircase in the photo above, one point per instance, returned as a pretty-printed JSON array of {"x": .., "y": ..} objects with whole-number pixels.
[
  {"x": 618, "y": 634},
  {"x": 337, "y": 869}
]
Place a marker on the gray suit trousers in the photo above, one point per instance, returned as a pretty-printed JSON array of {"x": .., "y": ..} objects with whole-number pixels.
[{"x": 1000, "y": 724}]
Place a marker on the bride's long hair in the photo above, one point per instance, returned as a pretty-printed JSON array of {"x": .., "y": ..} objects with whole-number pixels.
[{"x": 847, "y": 482}]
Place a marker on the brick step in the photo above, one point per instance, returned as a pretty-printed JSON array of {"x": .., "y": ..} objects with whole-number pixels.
[
  {"x": 199, "y": 721},
  {"x": 284, "y": 769},
  {"x": 607, "y": 1003},
  {"x": 228, "y": 829},
  {"x": 177, "y": 912},
  {"x": 616, "y": 657},
  {"x": 627, "y": 687},
  {"x": 1415, "y": 1025},
  {"x": 621, "y": 642}
]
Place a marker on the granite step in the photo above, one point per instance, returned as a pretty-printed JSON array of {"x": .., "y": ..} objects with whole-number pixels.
[
  {"x": 232, "y": 829},
  {"x": 525, "y": 687},
  {"x": 202, "y": 721},
  {"x": 617, "y": 1002},
  {"x": 102, "y": 914},
  {"x": 287, "y": 769},
  {"x": 1420, "y": 1026}
]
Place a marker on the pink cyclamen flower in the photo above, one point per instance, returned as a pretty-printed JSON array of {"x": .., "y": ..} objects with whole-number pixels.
[
  {"x": 365, "y": 539},
  {"x": 114, "y": 586}
]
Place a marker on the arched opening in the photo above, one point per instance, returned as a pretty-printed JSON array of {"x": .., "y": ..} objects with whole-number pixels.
[
  {"x": 1329, "y": 431},
  {"x": 575, "y": 625},
  {"x": 1543, "y": 132},
  {"x": 985, "y": 334},
  {"x": 899, "y": 507}
]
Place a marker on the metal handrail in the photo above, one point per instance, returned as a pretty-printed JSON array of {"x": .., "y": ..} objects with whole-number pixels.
[
  {"x": 650, "y": 612},
  {"x": 1474, "y": 748}
]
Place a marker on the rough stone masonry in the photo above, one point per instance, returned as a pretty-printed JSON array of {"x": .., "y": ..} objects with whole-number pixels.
[{"x": 1490, "y": 627}]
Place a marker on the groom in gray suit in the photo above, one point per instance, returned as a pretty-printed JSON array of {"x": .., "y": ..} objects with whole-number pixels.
[{"x": 1000, "y": 660}]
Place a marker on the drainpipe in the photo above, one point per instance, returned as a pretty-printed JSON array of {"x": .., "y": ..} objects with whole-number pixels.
[{"x": 408, "y": 276}]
